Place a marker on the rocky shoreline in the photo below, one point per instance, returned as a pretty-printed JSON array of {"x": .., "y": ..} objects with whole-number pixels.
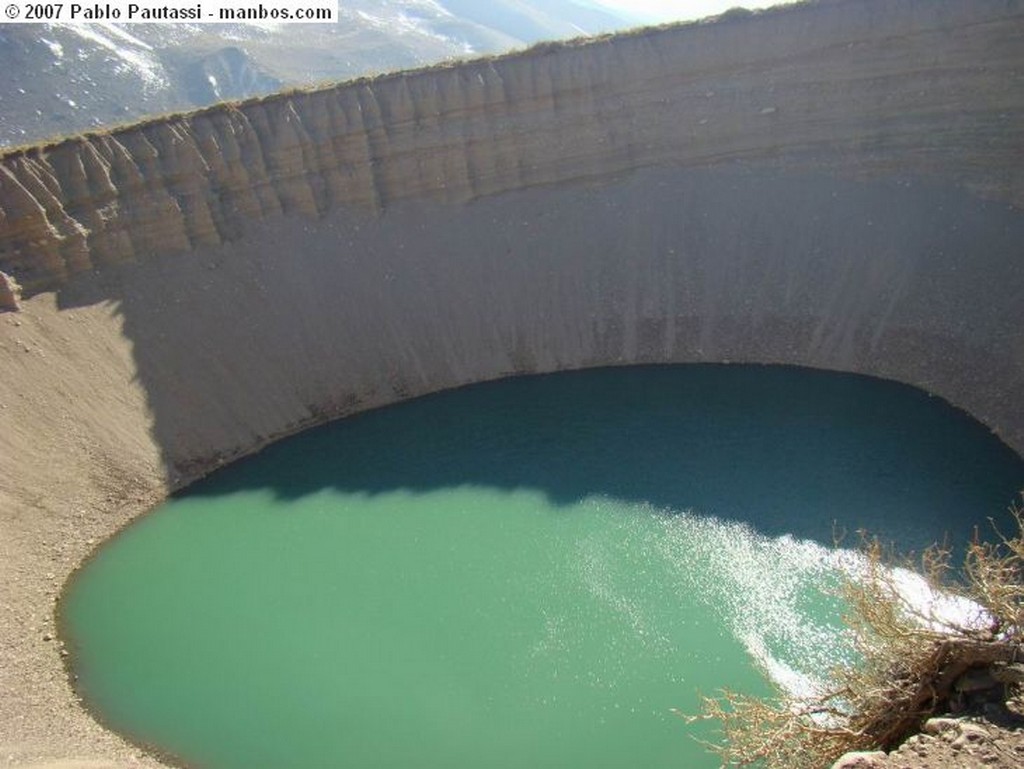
[{"x": 966, "y": 742}]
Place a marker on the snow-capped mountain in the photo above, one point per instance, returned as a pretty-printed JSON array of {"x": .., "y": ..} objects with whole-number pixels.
[{"x": 65, "y": 78}]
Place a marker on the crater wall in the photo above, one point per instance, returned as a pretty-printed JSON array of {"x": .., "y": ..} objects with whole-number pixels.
[{"x": 835, "y": 184}]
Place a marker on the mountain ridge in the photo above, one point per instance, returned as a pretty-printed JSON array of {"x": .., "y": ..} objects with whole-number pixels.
[{"x": 69, "y": 78}]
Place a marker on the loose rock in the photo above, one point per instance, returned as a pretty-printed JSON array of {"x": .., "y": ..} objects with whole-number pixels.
[{"x": 862, "y": 760}]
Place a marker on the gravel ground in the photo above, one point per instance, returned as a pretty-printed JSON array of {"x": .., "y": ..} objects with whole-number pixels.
[{"x": 994, "y": 740}]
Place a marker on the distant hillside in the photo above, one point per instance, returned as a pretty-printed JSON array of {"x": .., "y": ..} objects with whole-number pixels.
[{"x": 62, "y": 79}]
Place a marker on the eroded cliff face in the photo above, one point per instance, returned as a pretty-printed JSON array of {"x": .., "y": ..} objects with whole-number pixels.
[
  {"x": 836, "y": 185},
  {"x": 861, "y": 89}
]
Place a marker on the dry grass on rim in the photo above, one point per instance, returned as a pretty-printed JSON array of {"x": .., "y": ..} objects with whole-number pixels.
[{"x": 911, "y": 661}]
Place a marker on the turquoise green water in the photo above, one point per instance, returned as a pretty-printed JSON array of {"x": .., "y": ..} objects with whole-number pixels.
[{"x": 530, "y": 573}]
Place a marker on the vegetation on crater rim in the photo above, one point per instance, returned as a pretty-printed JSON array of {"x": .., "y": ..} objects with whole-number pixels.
[{"x": 916, "y": 661}]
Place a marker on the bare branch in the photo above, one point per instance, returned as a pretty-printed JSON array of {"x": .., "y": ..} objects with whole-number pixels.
[{"x": 912, "y": 659}]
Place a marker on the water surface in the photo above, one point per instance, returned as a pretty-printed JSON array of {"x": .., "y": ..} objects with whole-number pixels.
[{"x": 529, "y": 573}]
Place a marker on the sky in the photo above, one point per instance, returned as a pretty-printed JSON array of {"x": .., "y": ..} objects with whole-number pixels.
[{"x": 657, "y": 11}]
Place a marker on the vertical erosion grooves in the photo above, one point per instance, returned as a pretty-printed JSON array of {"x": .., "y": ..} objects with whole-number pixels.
[{"x": 859, "y": 87}]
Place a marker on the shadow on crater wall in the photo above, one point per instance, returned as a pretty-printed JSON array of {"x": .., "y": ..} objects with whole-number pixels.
[
  {"x": 311, "y": 320},
  {"x": 788, "y": 451},
  {"x": 834, "y": 185}
]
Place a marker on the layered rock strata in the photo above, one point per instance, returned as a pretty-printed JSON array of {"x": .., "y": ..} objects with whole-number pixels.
[
  {"x": 836, "y": 184},
  {"x": 861, "y": 89}
]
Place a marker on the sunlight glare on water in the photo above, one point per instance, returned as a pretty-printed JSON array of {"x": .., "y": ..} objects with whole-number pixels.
[{"x": 526, "y": 574}]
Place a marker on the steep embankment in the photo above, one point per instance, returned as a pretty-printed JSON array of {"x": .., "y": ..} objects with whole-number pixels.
[{"x": 835, "y": 185}]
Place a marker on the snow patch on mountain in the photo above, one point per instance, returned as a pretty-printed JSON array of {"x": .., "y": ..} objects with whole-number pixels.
[{"x": 135, "y": 55}]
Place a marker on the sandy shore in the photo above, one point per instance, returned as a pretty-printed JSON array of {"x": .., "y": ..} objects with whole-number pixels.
[{"x": 67, "y": 483}]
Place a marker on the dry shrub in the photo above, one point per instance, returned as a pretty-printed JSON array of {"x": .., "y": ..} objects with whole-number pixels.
[{"x": 912, "y": 660}]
